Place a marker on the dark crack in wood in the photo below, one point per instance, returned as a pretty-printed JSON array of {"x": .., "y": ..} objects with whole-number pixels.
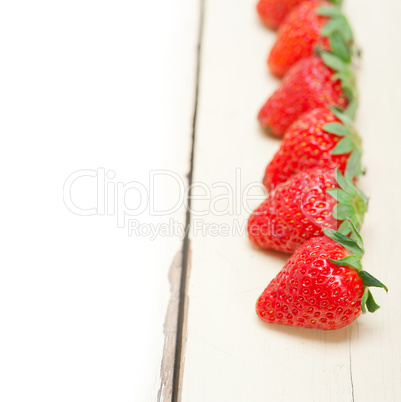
[{"x": 181, "y": 322}]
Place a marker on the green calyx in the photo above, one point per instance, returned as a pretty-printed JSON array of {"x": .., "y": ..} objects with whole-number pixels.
[
  {"x": 344, "y": 73},
  {"x": 337, "y": 2},
  {"x": 354, "y": 244},
  {"x": 351, "y": 205},
  {"x": 350, "y": 143},
  {"x": 339, "y": 32},
  {"x": 342, "y": 47}
]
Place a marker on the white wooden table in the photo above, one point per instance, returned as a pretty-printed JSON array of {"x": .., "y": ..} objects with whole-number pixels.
[{"x": 93, "y": 308}]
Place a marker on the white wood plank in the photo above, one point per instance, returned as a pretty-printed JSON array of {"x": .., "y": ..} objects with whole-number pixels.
[
  {"x": 88, "y": 85},
  {"x": 375, "y": 348},
  {"x": 230, "y": 354}
]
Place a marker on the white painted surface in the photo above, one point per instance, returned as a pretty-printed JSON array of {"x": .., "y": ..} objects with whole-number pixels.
[
  {"x": 85, "y": 85},
  {"x": 89, "y": 85},
  {"x": 231, "y": 355}
]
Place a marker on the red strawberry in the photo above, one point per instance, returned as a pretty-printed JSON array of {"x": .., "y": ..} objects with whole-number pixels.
[
  {"x": 308, "y": 85},
  {"x": 312, "y": 25},
  {"x": 298, "y": 37},
  {"x": 320, "y": 138},
  {"x": 321, "y": 286},
  {"x": 303, "y": 206},
  {"x": 273, "y": 12}
]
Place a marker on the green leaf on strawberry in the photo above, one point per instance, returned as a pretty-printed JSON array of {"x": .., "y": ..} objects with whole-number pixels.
[
  {"x": 337, "y": 23},
  {"x": 339, "y": 47},
  {"x": 329, "y": 11},
  {"x": 343, "y": 147},
  {"x": 354, "y": 244},
  {"x": 343, "y": 116},
  {"x": 336, "y": 128},
  {"x": 342, "y": 48},
  {"x": 370, "y": 303},
  {"x": 335, "y": 63},
  {"x": 351, "y": 108},
  {"x": 352, "y": 203},
  {"x": 351, "y": 143},
  {"x": 369, "y": 280},
  {"x": 346, "y": 242}
]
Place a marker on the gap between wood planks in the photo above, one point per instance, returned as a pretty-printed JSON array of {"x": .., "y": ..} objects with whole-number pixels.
[
  {"x": 182, "y": 308},
  {"x": 173, "y": 354},
  {"x": 172, "y": 366}
]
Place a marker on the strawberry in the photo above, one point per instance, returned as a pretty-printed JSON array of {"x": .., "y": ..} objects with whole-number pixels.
[
  {"x": 321, "y": 138},
  {"x": 303, "y": 206},
  {"x": 322, "y": 285},
  {"x": 314, "y": 82},
  {"x": 313, "y": 25},
  {"x": 273, "y": 12}
]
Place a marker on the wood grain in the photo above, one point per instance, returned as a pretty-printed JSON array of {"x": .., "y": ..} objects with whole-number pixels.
[{"x": 170, "y": 331}]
